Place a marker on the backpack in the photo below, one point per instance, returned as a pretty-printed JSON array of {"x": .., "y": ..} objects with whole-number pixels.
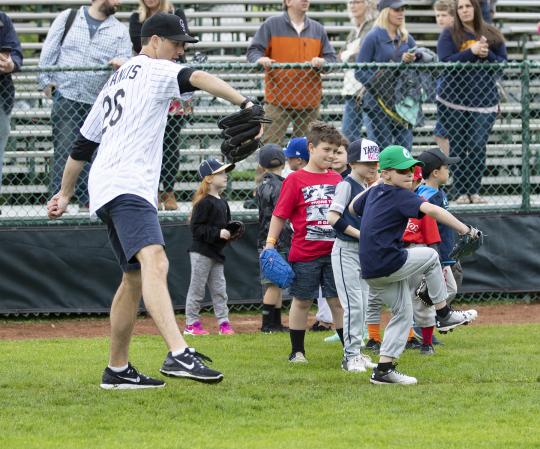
[{"x": 69, "y": 21}]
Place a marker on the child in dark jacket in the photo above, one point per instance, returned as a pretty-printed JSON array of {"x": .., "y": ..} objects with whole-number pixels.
[
  {"x": 272, "y": 160},
  {"x": 210, "y": 216}
]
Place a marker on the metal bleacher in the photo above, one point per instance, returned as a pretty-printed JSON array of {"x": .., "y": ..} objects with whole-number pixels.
[{"x": 225, "y": 28}]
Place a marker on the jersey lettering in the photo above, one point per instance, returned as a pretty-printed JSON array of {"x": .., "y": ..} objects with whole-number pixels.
[
  {"x": 113, "y": 106},
  {"x": 129, "y": 72}
]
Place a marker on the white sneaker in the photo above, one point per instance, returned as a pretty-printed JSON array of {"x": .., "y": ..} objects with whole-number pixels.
[
  {"x": 471, "y": 314},
  {"x": 297, "y": 357},
  {"x": 355, "y": 364},
  {"x": 390, "y": 377},
  {"x": 367, "y": 361},
  {"x": 454, "y": 319}
]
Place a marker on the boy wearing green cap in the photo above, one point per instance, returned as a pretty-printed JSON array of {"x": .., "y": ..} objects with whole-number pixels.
[{"x": 386, "y": 265}]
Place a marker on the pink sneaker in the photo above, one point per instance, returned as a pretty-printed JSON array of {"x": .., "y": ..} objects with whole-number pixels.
[
  {"x": 195, "y": 329},
  {"x": 225, "y": 328}
]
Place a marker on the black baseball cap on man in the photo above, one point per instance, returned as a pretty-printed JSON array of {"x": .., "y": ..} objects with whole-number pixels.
[
  {"x": 168, "y": 26},
  {"x": 394, "y": 4},
  {"x": 434, "y": 159}
]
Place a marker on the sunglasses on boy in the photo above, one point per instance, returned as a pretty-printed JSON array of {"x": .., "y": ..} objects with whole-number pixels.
[{"x": 404, "y": 171}]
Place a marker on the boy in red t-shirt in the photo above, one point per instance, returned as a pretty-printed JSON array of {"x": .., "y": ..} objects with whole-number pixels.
[{"x": 304, "y": 200}]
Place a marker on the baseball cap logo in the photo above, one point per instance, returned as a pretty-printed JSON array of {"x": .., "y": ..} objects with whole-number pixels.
[
  {"x": 182, "y": 25},
  {"x": 407, "y": 153},
  {"x": 371, "y": 153}
]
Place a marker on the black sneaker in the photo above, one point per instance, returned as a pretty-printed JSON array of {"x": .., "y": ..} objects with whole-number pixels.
[
  {"x": 318, "y": 327},
  {"x": 267, "y": 329},
  {"x": 413, "y": 343},
  {"x": 190, "y": 364},
  {"x": 427, "y": 349},
  {"x": 273, "y": 329},
  {"x": 390, "y": 377},
  {"x": 129, "y": 379},
  {"x": 373, "y": 345}
]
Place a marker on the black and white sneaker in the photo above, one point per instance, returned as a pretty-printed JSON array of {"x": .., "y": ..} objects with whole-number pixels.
[
  {"x": 453, "y": 319},
  {"x": 391, "y": 377},
  {"x": 190, "y": 364},
  {"x": 129, "y": 379}
]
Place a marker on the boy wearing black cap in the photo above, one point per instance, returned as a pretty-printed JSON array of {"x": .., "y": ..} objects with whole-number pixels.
[
  {"x": 362, "y": 156},
  {"x": 436, "y": 173},
  {"x": 272, "y": 160},
  {"x": 127, "y": 123},
  {"x": 387, "y": 265}
]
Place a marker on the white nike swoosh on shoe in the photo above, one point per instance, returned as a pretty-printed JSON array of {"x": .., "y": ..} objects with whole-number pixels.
[
  {"x": 185, "y": 365},
  {"x": 130, "y": 379}
]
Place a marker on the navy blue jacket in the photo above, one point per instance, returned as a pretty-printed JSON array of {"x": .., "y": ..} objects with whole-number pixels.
[
  {"x": 466, "y": 87},
  {"x": 8, "y": 38},
  {"x": 438, "y": 197},
  {"x": 377, "y": 46}
]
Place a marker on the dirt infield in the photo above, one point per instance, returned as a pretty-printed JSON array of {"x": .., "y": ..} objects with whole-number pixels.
[{"x": 243, "y": 323}]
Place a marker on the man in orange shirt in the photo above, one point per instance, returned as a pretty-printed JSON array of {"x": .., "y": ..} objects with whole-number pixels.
[{"x": 291, "y": 94}]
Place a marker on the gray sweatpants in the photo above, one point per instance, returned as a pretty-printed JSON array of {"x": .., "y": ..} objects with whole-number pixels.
[
  {"x": 451, "y": 284},
  {"x": 394, "y": 291},
  {"x": 353, "y": 293},
  {"x": 374, "y": 308},
  {"x": 423, "y": 316},
  {"x": 206, "y": 271}
]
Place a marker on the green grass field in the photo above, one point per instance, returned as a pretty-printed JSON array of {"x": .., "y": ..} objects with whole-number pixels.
[{"x": 481, "y": 390}]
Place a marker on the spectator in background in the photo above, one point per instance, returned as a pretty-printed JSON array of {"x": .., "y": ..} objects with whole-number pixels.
[
  {"x": 388, "y": 41},
  {"x": 468, "y": 100},
  {"x": 362, "y": 14},
  {"x": 179, "y": 111},
  {"x": 11, "y": 59},
  {"x": 292, "y": 94},
  {"x": 95, "y": 37},
  {"x": 488, "y": 10},
  {"x": 444, "y": 16}
]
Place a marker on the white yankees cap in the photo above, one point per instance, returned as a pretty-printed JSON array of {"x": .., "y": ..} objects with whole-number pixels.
[{"x": 363, "y": 150}]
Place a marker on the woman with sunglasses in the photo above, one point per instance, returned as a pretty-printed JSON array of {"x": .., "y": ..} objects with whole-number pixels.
[
  {"x": 179, "y": 111},
  {"x": 388, "y": 41},
  {"x": 468, "y": 99},
  {"x": 362, "y": 14}
]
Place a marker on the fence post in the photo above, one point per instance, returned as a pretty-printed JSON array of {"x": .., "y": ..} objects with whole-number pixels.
[{"x": 525, "y": 138}]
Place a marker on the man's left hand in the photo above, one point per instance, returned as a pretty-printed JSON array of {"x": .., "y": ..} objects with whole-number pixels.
[{"x": 317, "y": 62}]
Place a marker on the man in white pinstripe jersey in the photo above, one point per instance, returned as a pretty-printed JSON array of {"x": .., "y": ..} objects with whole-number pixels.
[
  {"x": 127, "y": 123},
  {"x": 89, "y": 35}
]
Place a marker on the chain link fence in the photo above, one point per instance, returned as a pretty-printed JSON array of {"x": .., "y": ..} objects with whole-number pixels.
[{"x": 454, "y": 106}]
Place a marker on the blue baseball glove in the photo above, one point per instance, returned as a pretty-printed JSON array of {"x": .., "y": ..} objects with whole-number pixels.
[{"x": 275, "y": 268}]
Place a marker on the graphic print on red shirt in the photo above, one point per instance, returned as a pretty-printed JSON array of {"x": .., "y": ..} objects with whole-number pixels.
[
  {"x": 305, "y": 199},
  {"x": 422, "y": 231}
]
